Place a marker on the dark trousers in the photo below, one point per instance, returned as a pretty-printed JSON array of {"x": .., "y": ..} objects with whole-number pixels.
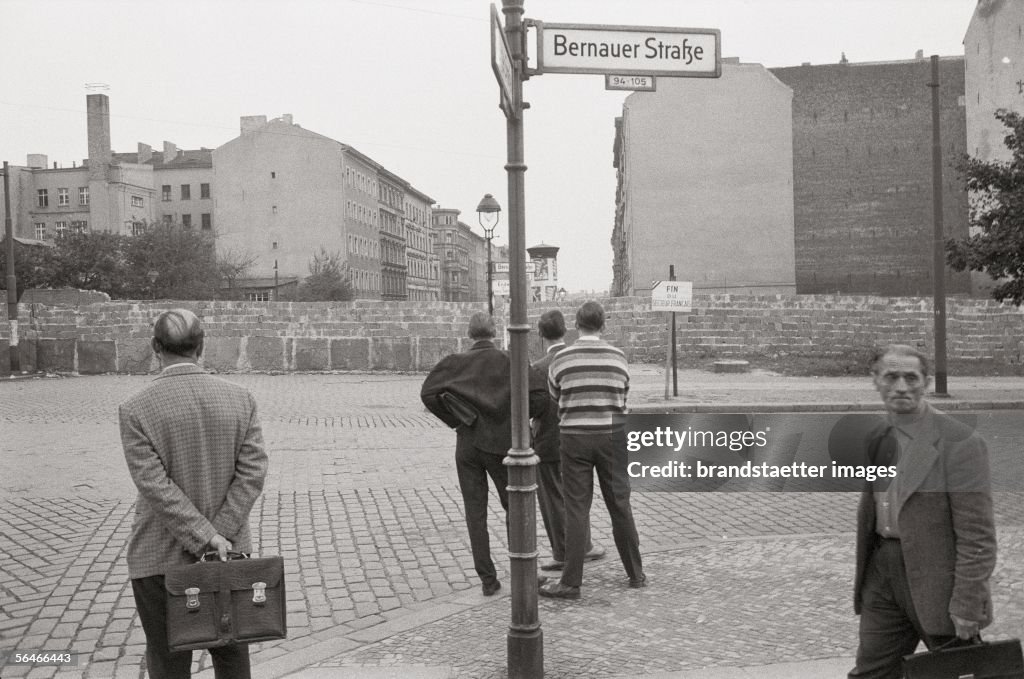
[
  {"x": 889, "y": 628},
  {"x": 229, "y": 662},
  {"x": 474, "y": 466},
  {"x": 552, "y": 507},
  {"x": 582, "y": 454}
]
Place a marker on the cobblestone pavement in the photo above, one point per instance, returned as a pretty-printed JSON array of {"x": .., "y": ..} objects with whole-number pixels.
[{"x": 363, "y": 503}]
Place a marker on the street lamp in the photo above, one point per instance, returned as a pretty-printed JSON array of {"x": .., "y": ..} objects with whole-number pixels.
[
  {"x": 153, "y": 275},
  {"x": 489, "y": 207}
]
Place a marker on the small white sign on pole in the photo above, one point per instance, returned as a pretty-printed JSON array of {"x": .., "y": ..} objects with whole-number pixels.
[
  {"x": 672, "y": 296},
  {"x": 502, "y": 287}
]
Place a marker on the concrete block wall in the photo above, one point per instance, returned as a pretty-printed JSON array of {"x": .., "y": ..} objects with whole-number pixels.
[{"x": 413, "y": 336}]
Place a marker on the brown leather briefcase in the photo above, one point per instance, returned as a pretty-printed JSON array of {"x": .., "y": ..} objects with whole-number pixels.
[{"x": 215, "y": 603}]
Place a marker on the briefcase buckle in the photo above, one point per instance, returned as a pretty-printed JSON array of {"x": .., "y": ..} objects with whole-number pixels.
[
  {"x": 192, "y": 602},
  {"x": 259, "y": 592}
]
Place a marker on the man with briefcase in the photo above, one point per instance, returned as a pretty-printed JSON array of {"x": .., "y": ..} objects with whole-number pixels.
[
  {"x": 194, "y": 449},
  {"x": 926, "y": 538}
]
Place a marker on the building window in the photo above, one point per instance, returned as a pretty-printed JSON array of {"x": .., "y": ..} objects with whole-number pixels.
[
  {"x": 259, "y": 296},
  {"x": 61, "y": 229},
  {"x": 40, "y": 230},
  {"x": 186, "y": 192},
  {"x": 137, "y": 201},
  {"x": 79, "y": 226},
  {"x": 165, "y": 192},
  {"x": 168, "y": 219},
  {"x": 273, "y": 246},
  {"x": 186, "y": 221},
  {"x": 207, "y": 221},
  {"x": 63, "y": 197},
  {"x": 138, "y": 228},
  {"x": 83, "y": 195},
  {"x": 204, "y": 190},
  {"x": 42, "y": 199},
  {"x": 273, "y": 175}
]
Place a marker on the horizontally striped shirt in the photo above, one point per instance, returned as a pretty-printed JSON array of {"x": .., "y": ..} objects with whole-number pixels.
[{"x": 589, "y": 381}]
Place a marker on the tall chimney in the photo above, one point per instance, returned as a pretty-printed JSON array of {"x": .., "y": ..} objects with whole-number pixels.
[
  {"x": 98, "y": 107},
  {"x": 170, "y": 151},
  {"x": 145, "y": 153}
]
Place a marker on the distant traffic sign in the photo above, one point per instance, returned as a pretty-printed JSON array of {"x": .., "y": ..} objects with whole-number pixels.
[
  {"x": 502, "y": 286},
  {"x": 502, "y": 267},
  {"x": 629, "y": 50},
  {"x": 672, "y": 296}
]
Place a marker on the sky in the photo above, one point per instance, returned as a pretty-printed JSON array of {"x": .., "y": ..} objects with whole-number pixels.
[{"x": 407, "y": 82}]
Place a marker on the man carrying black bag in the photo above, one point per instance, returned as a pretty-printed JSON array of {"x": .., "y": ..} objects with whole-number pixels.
[
  {"x": 194, "y": 449},
  {"x": 926, "y": 539},
  {"x": 472, "y": 393}
]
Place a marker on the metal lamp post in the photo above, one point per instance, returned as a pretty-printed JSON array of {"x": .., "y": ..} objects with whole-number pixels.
[
  {"x": 489, "y": 207},
  {"x": 153, "y": 275}
]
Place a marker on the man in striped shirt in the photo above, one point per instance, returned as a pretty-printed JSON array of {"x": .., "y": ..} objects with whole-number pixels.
[{"x": 589, "y": 382}]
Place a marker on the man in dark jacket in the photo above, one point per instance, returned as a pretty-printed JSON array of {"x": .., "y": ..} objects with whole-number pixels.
[
  {"x": 551, "y": 327},
  {"x": 472, "y": 393},
  {"x": 926, "y": 539}
]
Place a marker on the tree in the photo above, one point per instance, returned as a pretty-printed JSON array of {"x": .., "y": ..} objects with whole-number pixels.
[
  {"x": 997, "y": 210},
  {"x": 89, "y": 261},
  {"x": 329, "y": 279},
  {"x": 232, "y": 265},
  {"x": 32, "y": 266},
  {"x": 184, "y": 262}
]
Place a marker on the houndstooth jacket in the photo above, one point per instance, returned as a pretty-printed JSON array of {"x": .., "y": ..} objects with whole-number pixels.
[{"x": 194, "y": 448}]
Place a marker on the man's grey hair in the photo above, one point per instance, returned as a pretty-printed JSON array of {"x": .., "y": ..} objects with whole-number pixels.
[
  {"x": 179, "y": 332},
  {"x": 481, "y": 326},
  {"x": 899, "y": 350}
]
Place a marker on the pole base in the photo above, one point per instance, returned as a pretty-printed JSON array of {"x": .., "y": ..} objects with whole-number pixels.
[{"x": 525, "y": 654}]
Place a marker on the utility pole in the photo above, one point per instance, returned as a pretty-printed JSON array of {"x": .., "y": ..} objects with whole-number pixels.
[
  {"x": 938, "y": 244},
  {"x": 12, "y": 281}
]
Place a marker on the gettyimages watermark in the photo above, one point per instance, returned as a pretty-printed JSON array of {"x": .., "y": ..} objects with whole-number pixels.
[{"x": 774, "y": 452}]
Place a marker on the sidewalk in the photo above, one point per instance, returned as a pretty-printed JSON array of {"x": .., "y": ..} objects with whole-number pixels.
[
  {"x": 763, "y": 391},
  {"x": 363, "y": 503}
]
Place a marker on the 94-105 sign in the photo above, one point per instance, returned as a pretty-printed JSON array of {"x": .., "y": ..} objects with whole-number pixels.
[{"x": 672, "y": 296}]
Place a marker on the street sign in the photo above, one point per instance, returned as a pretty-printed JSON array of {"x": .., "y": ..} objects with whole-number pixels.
[
  {"x": 629, "y": 50},
  {"x": 672, "y": 296},
  {"x": 501, "y": 64},
  {"x": 502, "y": 287},
  {"x": 502, "y": 267},
  {"x": 639, "y": 83}
]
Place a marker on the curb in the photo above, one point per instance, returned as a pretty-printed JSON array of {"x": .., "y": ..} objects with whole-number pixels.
[{"x": 666, "y": 407}]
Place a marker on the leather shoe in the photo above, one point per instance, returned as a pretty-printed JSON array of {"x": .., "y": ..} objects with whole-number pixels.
[
  {"x": 552, "y": 565},
  {"x": 596, "y": 552},
  {"x": 489, "y": 588},
  {"x": 637, "y": 583},
  {"x": 557, "y": 590}
]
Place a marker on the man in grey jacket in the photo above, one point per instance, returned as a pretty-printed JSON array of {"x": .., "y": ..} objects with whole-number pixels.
[
  {"x": 926, "y": 539},
  {"x": 194, "y": 449}
]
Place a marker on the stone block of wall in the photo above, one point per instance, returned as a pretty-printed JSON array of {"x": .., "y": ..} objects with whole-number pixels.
[
  {"x": 312, "y": 353},
  {"x": 391, "y": 353},
  {"x": 56, "y": 355},
  {"x": 433, "y": 349},
  {"x": 350, "y": 353},
  {"x": 220, "y": 353},
  {"x": 96, "y": 356},
  {"x": 26, "y": 356},
  {"x": 135, "y": 356},
  {"x": 265, "y": 353}
]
